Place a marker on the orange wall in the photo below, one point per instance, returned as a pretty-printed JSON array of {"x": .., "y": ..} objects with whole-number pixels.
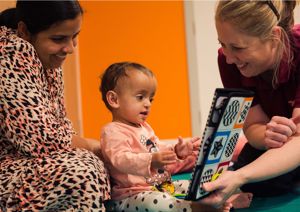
[{"x": 150, "y": 33}]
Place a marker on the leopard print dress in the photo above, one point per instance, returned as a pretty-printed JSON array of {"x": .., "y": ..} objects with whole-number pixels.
[{"x": 39, "y": 171}]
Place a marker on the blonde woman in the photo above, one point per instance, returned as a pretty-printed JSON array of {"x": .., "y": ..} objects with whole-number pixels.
[{"x": 260, "y": 51}]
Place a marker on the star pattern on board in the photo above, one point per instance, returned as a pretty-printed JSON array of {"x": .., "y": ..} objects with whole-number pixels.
[{"x": 217, "y": 147}]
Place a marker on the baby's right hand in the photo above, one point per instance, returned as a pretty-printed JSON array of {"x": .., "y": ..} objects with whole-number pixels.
[{"x": 160, "y": 159}]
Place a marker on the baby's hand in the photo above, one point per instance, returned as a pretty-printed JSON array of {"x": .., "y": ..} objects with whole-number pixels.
[
  {"x": 184, "y": 149},
  {"x": 278, "y": 131},
  {"x": 160, "y": 159}
]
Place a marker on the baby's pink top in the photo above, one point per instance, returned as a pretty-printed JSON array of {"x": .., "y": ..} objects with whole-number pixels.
[{"x": 127, "y": 154}]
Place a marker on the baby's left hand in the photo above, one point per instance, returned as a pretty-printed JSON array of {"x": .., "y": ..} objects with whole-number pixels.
[{"x": 185, "y": 148}]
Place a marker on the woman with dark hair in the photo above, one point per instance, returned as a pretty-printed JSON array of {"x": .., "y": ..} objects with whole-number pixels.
[{"x": 41, "y": 168}]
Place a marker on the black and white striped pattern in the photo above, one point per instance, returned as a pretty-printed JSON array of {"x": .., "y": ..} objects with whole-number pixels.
[
  {"x": 205, "y": 178},
  {"x": 244, "y": 113},
  {"x": 231, "y": 112},
  {"x": 231, "y": 145}
]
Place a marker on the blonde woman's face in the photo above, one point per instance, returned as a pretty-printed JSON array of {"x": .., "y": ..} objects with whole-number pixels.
[{"x": 250, "y": 54}]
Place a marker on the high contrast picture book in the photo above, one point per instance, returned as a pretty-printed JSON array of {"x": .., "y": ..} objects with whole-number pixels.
[{"x": 225, "y": 121}]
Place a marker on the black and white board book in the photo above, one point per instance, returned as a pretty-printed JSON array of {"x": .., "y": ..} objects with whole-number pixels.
[{"x": 224, "y": 124}]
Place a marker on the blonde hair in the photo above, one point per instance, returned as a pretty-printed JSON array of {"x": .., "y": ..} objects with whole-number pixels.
[{"x": 258, "y": 18}]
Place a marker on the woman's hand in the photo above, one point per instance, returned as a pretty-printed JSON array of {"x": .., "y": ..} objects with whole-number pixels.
[
  {"x": 160, "y": 159},
  {"x": 185, "y": 148},
  {"x": 90, "y": 144},
  {"x": 222, "y": 188},
  {"x": 278, "y": 131}
]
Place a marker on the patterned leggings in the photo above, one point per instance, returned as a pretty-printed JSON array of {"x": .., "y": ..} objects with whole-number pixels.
[{"x": 153, "y": 201}]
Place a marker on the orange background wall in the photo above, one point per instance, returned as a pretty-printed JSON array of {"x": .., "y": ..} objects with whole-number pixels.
[{"x": 151, "y": 33}]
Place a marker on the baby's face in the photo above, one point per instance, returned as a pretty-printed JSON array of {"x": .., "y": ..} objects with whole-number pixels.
[{"x": 135, "y": 96}]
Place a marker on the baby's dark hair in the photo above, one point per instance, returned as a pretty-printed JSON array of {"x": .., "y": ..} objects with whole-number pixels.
[{"x": 116, "y": 71}]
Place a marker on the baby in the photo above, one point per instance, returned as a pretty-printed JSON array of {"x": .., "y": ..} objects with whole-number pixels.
[{"x": 136, "y": 160}]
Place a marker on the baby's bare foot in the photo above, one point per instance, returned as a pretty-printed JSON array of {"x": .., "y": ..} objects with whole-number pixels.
[{"x": 241, "y": 200}]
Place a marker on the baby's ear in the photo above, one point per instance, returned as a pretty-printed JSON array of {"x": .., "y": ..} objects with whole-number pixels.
[{"x": 112, "y": 99}]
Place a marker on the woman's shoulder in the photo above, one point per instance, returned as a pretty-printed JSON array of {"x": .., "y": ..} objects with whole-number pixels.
[
  {"x": 18, "y": 57},
  {"x": 11, "y": 41},
  {"x": 15, "y": 49}
]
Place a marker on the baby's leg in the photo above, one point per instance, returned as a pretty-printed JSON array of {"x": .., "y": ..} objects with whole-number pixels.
[
  {"x": 240, "y": 199},
  {"x": 150, "y": 201},
  {"x": 181, "y": 186}
]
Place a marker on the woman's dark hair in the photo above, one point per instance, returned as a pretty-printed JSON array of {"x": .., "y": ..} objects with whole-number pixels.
[
  {"x": 8, "y": 18},
  {"x": 40, "y": 15}
]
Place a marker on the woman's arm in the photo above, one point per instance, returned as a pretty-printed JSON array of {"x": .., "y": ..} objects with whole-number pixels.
[
  {"x": 92, "y": 145},
  {"x": 263, "y": 133},
  {"x": 255, "y": 127},
  {"x": 272, "y": 163}
]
